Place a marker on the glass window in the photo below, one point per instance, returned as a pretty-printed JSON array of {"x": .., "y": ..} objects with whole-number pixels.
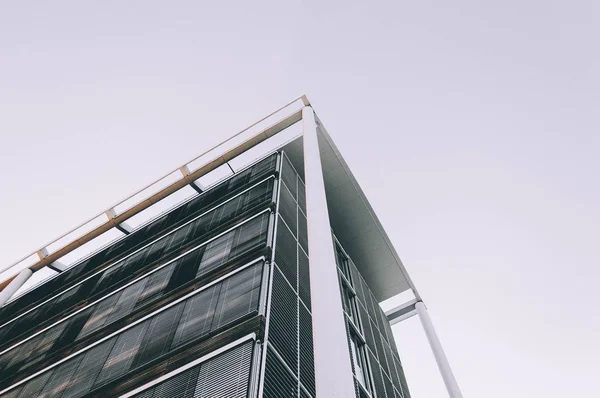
[
  {"x": 122, "y": 354},
  {"x": 251, "y": 234},
  {"x": 350, "y": 304},
  {"x": 359, "y": 361},
  {"x": 59, "y": 380},
  {"x": 153, "y": 285},
  {"x": 197, "y": 316},
  {"x": 239, "y": 296},
  {"x": 88, "y": 370},
  {"x": 207, "y": 310},
  {"x": 217, "y": 253},
  {"x": 101, "y": 312},
  {"x": 158, "y": 337},
  {"x": 342, "y": 262}
]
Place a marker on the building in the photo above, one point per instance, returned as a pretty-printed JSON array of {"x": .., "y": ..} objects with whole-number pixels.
[{"x": 265, "y": 283}]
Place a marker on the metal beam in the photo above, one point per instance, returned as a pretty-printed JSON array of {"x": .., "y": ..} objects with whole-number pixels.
[
  {"x": 402, "y": 312},
  {"x": 333, "y": 366},
  {"x": 438, "y": 352},
  {"x": 125, "y": 228},
  {"x": 57, "y": 266},
  {"x": 111, "y": 214}
]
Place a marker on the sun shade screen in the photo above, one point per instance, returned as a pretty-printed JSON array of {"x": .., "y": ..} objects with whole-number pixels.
[
  {"x": 175, "y": 217},
  {"x": 226, "y": 375},
  {"x": 244, "y": 238},
  {"x": 236, "y": 298}
]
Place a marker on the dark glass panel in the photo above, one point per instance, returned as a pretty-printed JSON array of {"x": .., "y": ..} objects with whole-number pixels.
[
  {"x": 239, "y": 296},
  {"x": 121, "y": 356},
  {"x": 283, "y": 327},
  {"x": 98, "y": 318},
  {"x": 304, "y": 278},
  {"x": 288, "y": 175},
  {"x": 302, "y": 196},
  {"x": 303, "y": 231},
  {"x": 198, "y": 314},
  {"x": 307, "y": 358},
  {"x": 377, "y": 377},
  {"x": 226, "y": 375},
  {"x": 159, "y": 336},
  {"x": 60, "y": 379},
  {"x": 279, "y": 382},
  {"x": 285, "y": 253},
  {"x": 288, "y": 209},
  {"x": 34, "y": 387},
  {"x": 88, "y": 370},
  {"x": 143, "y": 235}
]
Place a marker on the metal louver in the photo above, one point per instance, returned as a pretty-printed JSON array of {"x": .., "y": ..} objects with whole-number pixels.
[{"x": 226, "y": 375}]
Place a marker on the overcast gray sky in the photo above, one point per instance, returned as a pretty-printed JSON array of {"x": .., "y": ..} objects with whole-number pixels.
[{"x": 473, "y": 128}]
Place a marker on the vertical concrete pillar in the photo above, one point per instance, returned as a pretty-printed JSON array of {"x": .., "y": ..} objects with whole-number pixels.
[
  {"x": 333, "y": 368},
  {"x": 438, "y": 352},
  {"x": 14, "y": 285}
]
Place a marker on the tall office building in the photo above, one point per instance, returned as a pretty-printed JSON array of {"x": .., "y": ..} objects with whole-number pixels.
[{"x": 263, "y": 283}]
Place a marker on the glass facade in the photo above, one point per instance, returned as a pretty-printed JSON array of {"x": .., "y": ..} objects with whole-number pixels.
[
  {"x": 289, "y": 364},
  {"x": 211, "y": 299},
  {"x": 189, "y": 287},
  {"x": 375, "y": 362}
]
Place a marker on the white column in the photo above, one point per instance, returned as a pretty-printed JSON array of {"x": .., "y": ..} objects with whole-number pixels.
[
  {"x": 438, "y": 352},
  {"x": 333, "y": 369},
  {"x": 14, "y": 285}
]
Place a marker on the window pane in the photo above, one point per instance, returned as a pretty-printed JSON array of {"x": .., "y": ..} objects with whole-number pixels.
[
  {"x": 122, "y": 355},
  {"x": 197, "y": 316},
  {"x": 99, "y": 316},
  {"x": 159, "y": 336},
  {"x": 239, "y": 296},
  {"x": 217, "y": 252},
  {"x": 88, "y": 370}
]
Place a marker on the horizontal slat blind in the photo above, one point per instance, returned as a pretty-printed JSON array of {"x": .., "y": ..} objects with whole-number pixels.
[
  {"x": 224, "y": 376},
  {"x": 156, "y": 336},
  {"x": 246, "y": 238},
  {"x": 279, "y": 382},
  {"x": 174, "y": 218}
]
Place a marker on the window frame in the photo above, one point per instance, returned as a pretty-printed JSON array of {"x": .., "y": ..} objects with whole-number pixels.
[{"x": 359, "y": 361}]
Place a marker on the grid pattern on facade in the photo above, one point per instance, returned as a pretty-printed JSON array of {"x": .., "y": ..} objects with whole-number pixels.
[
  {"x": 226, "y": 375},
  {"x": 241, "y": 241},
  {"x": 279, "y": 380},
  {"x": 204, "y": 313},
  {"x": 290, "y": 359},
  {"x": 167, "y": 246},
  {"x": 191, "y": 284},
  {"x": 187, "y": 283},
  {"x": 376, "y": 364}
]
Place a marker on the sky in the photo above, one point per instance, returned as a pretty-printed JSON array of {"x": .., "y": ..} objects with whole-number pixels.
[{"x": 473, "y": 128}]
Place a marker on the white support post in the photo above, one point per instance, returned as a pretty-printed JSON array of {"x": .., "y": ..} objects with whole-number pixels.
[
  {"x": 438, "y": 352},
  {"x": 333, "y": 368},
  {"x": 185, "y": 172},
  {"x": 14, "y": 285}
]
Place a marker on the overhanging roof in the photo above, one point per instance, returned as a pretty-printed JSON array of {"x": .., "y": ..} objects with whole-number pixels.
[
  {"x": 351, "y": 216},
  {"x": 354, "y": 222}
]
